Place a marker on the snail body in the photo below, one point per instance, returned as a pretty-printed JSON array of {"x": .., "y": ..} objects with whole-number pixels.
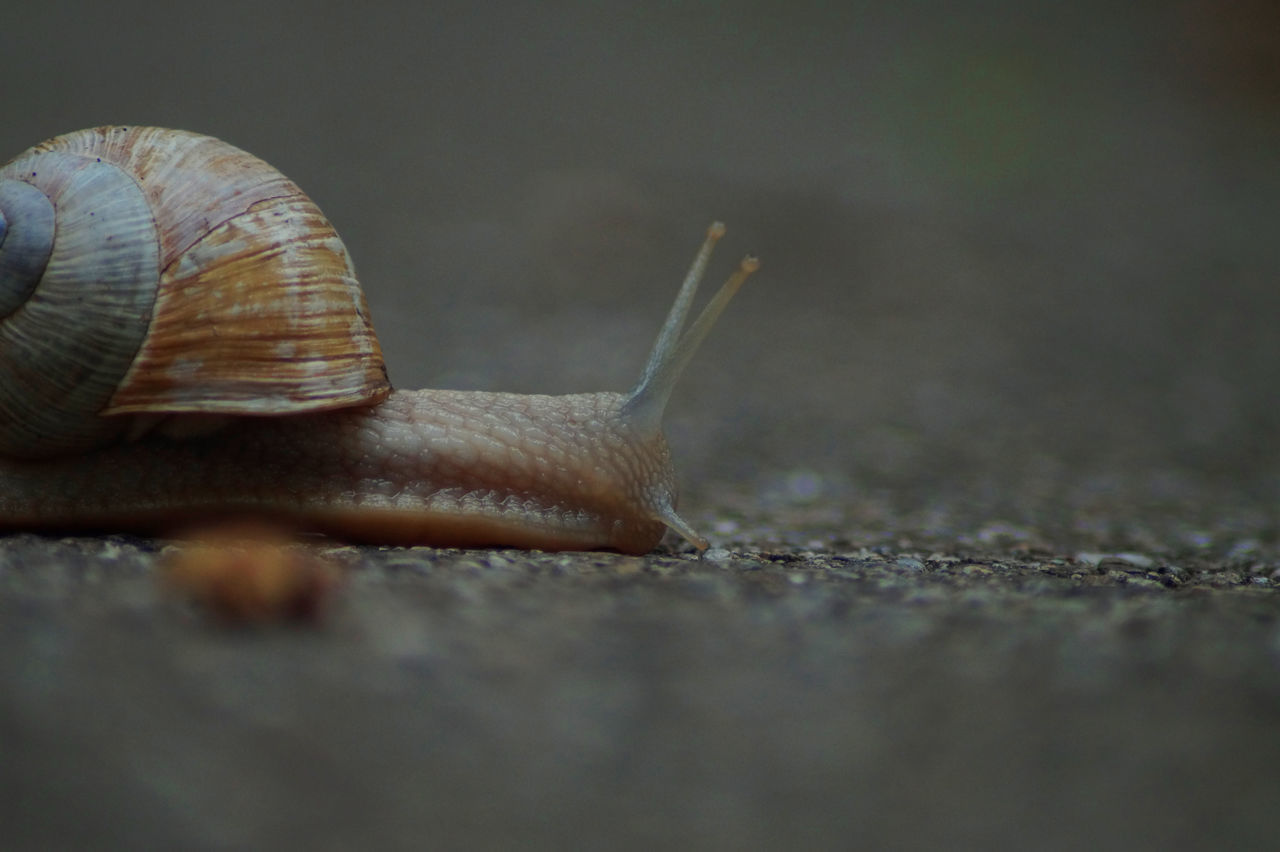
[{"x": 185, "y": 338}]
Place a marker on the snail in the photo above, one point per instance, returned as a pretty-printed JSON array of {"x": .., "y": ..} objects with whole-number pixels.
[{"x": 183, "y": 337}]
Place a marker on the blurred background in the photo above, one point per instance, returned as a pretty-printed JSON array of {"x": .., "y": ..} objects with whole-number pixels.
[{"x": 999, "y": 239}]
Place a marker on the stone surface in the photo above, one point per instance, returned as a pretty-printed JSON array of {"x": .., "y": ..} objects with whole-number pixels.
[{"x": 750, "y": 699}]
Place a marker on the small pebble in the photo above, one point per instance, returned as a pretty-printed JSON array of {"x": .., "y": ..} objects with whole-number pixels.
[{"x": 1138, "y": 560}]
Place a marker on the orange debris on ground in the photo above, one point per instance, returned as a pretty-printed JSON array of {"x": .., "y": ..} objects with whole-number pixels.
[{"x": 251, "y": 574}]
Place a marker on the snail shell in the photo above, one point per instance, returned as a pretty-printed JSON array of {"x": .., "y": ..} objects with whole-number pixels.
[{"x": 148, "y": 273}]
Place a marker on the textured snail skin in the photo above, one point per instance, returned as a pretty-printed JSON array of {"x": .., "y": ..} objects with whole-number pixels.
[{"x": 446, "y": 468}]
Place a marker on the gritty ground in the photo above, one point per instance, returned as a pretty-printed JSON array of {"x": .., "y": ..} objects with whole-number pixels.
[
  {"x": 758, "y": 697},
  {"x": 986, "y": 450}
]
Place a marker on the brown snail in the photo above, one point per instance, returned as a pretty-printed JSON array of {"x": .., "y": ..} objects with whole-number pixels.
[{"x": 182, "y": 336}]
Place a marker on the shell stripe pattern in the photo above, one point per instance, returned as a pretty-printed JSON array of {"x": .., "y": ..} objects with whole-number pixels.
[{"x": 223, "y": 322}]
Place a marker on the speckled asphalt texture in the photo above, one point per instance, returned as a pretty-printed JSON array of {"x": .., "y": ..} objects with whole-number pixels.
[{"x": 986, "y": 451}]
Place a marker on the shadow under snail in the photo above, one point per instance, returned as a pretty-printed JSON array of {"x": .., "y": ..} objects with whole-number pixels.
[{"x": 183, "y": 338}]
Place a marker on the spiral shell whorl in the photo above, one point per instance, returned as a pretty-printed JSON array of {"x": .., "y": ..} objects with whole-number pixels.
[
  {"x": 26, "y": 241},
  {"x": 67, "y": 346},
  {"x": 183, "y": 275}
]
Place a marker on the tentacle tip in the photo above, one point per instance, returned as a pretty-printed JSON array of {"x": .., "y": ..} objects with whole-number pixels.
[
  {"x": 750, "y": 264},
  {"x": 699, "y": 543},
  {"x": 681, "y": 527},
  {"x": 716, "y": 231}
]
